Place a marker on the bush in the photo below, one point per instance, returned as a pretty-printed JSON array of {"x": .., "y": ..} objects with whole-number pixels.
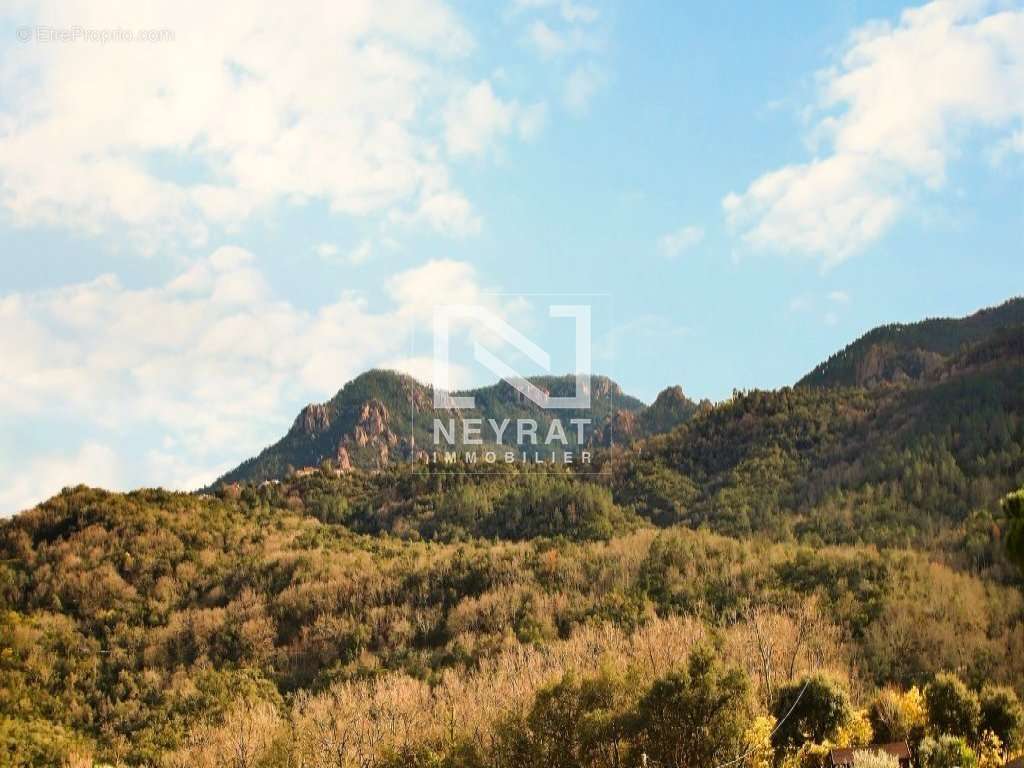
[{"x": 946, "y": 752}]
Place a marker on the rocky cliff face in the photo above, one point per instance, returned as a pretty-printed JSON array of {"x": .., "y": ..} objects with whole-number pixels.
[
  {"x": 882, "y": 363},
  {"x": 314, "y": 419},
  {"x": 373, "y": 434}
]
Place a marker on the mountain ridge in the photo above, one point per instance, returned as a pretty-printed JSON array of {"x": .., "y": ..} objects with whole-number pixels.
[
  {"x": 899, "y": 352},
  {"x": 384, "y": 416}
]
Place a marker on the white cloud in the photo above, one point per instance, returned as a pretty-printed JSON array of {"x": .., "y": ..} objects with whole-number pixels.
[
  {"x": 92, "y": 464},
  {"x": 569, "y": 11},
  {"x": 580, "y": 86},
  {"x": 546, "y": 40},
  {"x": 895, "y": 109},
  {"x": 572, "y": 41},
  {"x": 839, "y": 297},
  {"x": 564, "y": 39},
  {"x": 475, "y": 118},
  {"x": 326, "y": 251},
  {"x": 579, "y": 12},
  {"x": 202, "y": 370},
  {"x": 421, "y": 368},
  {"x": 122, "y": 137},
  {"x": 448, "y": 212},
  {"x": 675, "y": 243},
  {"x": 360, "y": 254}
]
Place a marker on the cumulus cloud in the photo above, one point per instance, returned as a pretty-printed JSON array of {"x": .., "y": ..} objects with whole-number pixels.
[
  {"x": 894, "y": 110},
  {"x": 675, "y": 243},
  {"x": 202, "y": 370},
  {"x": 569, "y": 36},
  {"x": 121, "y": 137},
  {"x": 475, "y": 118}
]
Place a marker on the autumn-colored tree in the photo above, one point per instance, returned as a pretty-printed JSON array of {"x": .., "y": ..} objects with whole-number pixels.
[{"x": 897, "y": 715}]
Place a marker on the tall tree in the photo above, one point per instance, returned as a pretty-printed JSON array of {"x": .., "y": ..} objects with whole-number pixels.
[
  {"x": 695, "y": 717},
  {"x": 1013, "y": 506}
]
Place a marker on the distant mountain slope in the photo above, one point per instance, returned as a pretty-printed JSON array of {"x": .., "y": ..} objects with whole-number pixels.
[
  {"x": 381, "y": 417},
  {"x": 916, "y": 351},
  {"x": 828, "y": 464}
]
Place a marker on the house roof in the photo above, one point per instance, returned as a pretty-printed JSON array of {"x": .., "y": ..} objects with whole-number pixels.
[{"x": 898, "y": 749}]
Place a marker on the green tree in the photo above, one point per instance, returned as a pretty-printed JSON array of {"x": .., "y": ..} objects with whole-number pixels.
[
  {"x": 35, "y": 743},
  {"x": 1002, "y": 714},
  {"x": 572, "y": 724},
  {"x": 694, "y": 717},
  {"x": 1013, "y": 507},
  {"x": 817, "y": 707},
  {"x": 952, "y": 707}
]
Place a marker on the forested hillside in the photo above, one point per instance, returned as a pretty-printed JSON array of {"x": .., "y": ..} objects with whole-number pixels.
[
  {"x": 754, "y": 582},
  {"x": 155, "y": 627},
  {"x": 915, "y": 351}
]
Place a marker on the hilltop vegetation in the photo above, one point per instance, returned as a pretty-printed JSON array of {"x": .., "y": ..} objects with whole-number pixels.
[
  {"x": 892, "y": 466},
  {"x": 912, "y": 352}
]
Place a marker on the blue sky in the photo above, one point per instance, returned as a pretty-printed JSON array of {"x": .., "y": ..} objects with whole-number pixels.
[{"x": 204, "y": 231}]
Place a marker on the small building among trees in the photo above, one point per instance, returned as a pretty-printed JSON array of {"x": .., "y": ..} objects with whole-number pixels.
[{"x": 844, "y": 758}]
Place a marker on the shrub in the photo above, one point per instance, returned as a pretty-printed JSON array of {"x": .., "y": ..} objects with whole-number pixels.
[{"x": 946, "y": 752}]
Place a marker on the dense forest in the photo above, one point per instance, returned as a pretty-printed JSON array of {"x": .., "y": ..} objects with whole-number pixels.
[{"x": 751, "y": 583}]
